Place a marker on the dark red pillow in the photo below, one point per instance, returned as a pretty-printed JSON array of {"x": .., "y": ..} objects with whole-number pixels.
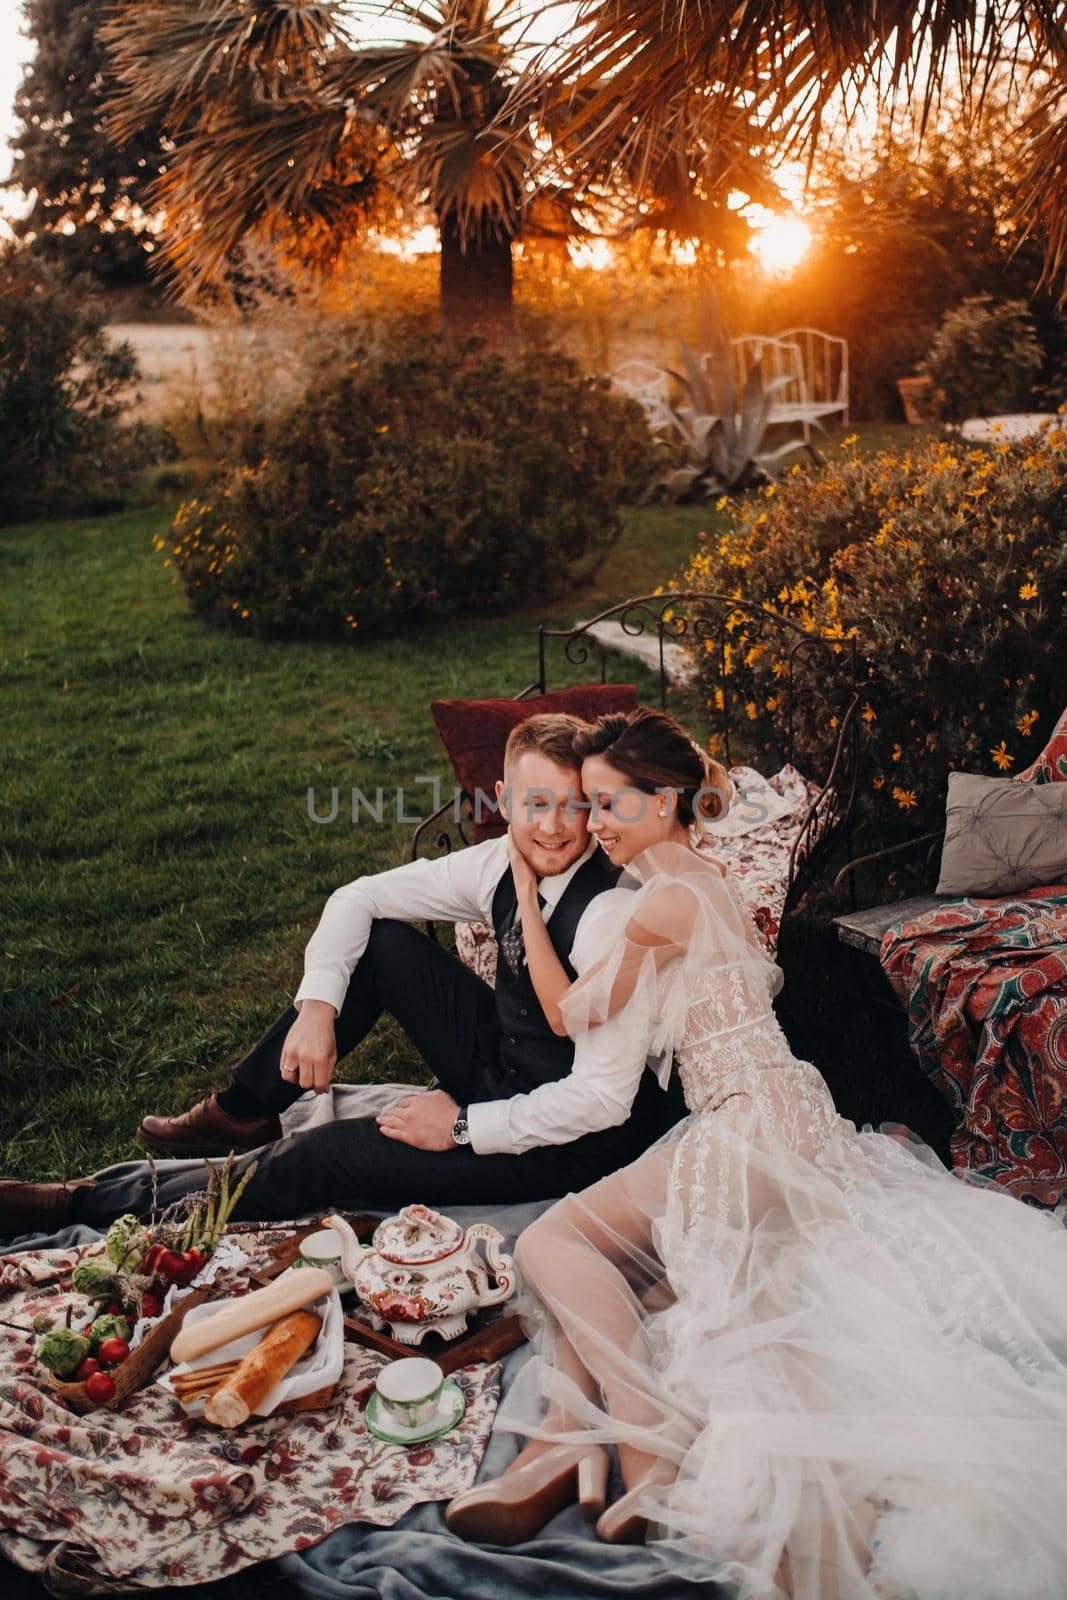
[{"x": 474, "y": 732}]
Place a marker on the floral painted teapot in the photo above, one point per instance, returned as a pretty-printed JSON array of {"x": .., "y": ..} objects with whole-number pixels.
[{"x": 421, "y": 1274}]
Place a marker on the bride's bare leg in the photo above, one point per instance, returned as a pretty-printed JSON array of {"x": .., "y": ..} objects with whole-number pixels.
[
  {"x": 812, "y": 1563},
  {"x": 583, "y": 1259}
]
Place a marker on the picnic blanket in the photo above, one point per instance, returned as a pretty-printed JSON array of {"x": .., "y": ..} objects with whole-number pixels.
[
  {"x": 156, "y": 1498},
  {"x": 395, "y": 1549},
  {"x": 984, "y": 985}
]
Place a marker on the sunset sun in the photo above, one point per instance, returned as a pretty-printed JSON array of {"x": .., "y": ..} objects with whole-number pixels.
[{"x": 779, "y": 242}]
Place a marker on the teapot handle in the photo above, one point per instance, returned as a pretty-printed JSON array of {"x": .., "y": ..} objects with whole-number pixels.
[{"x": 500, "y": 1265}]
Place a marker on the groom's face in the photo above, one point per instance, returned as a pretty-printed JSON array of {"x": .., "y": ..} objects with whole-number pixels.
[{"x": 546, "y": 812}]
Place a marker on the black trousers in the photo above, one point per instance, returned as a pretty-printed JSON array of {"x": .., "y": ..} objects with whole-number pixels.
[{"x": 443, "y": 1007}]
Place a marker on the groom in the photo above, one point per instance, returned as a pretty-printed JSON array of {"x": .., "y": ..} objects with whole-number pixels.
[{"x": 520, "y": 1114}]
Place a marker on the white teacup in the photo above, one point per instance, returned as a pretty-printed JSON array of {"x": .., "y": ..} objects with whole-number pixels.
[
  {"x": 323, "y": 1249},
  {"x": 410, "y": 1390}
]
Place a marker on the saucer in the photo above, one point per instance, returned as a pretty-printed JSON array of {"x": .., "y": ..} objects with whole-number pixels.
[{"x": 450, "y": 1409}]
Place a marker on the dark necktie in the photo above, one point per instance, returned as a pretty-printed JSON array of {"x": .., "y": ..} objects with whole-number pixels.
[{"x": 512, "y": 942}]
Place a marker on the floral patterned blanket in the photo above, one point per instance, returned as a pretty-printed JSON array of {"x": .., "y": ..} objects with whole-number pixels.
[
  {"x": 984, "y": 984},
  {"x": 154, "y": 1498}
]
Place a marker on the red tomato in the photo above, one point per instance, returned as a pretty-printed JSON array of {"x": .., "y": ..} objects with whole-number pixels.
[
  {"x": 151, "y": 1306},
  {"x": 112, "y": 1351},
  {"x": 100, "y": 1386},
  {"x": 85, "y": 1369}
]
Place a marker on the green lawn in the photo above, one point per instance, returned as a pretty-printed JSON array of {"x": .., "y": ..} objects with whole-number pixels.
[{"x": 161, "y": 872}]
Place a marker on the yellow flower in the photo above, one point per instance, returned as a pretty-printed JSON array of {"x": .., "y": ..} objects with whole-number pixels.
[
  {"x": 849, "y": 439},
  {"x": 879, "y": 782},
  {"x": 1028, "y": 590},
  {"x": 751, "y": 710},
  {"x": 905, "y": 798},
  {"x": 1026, "y": 722},
  {"x": 897, "y": 752},
  {"x": 1001, "y": 756},
  {"x": 869, "y": 713}
]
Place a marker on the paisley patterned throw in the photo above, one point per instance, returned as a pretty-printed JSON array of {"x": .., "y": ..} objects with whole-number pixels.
[
  {"x": 984, "y": 984},
  {"x": 154, "y": 1498}
]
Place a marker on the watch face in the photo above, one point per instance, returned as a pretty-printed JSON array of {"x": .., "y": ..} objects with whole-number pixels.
[{"x": 460, "y": 1132}]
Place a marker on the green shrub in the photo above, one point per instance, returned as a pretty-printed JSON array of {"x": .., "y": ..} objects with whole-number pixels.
[
  {"x": 61, "y": 384},
  {"x": 422, "y": 482},
  {"x": 985, "y": 358},
  {"x": 948, "y": 566}
]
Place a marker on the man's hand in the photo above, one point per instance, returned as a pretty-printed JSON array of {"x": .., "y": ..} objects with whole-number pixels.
[
  {"x": 423, "y": 1121},
  {"x": 309, "y": 1053}
]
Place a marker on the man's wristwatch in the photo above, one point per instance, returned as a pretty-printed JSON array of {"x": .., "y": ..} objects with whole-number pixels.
[{"x": 461, "y": 1134}]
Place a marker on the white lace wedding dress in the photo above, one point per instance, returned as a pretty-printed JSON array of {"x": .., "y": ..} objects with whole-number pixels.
[{"x": 830, "y": 1345}]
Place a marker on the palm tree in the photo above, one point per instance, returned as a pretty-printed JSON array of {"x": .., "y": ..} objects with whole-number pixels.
[
  {"x": 282, "y": 124},
  {"x": 628, "y": 64}
]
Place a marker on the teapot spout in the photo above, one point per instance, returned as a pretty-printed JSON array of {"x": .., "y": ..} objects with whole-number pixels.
[{"x": 352, "y": 1252}]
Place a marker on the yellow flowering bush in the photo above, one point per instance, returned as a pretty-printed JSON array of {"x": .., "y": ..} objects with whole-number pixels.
[
  {"x": 947, "y": 565},
  {"x": 412, "y": 480}
]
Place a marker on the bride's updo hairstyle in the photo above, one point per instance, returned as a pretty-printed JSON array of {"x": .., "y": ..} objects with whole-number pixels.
[{"x": 654, "y": 754}]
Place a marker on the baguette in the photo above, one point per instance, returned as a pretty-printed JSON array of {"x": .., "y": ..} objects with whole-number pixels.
[
  {"x": 262, "y": 1368},
  {"x": 256, "y": 1310}
]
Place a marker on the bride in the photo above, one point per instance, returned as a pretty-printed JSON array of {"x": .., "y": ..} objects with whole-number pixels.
[{"x": 830, "y": 1369}]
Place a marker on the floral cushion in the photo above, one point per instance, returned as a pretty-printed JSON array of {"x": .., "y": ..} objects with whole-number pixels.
[
  {"x": 755, "y": 839},
  {"x": 476, "y": 946},
  {"x": 1051, "y": 764},
  {"x": 758, "y": 856}
]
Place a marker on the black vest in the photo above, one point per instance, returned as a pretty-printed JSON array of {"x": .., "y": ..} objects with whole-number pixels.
[{"x": 520, "y": 1048}]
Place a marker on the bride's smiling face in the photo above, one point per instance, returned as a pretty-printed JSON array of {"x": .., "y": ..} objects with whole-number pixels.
[{"x": 624, "y": 820}]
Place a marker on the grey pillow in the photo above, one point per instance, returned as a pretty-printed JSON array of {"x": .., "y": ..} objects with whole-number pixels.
[{"x": 1002, "y": 836}]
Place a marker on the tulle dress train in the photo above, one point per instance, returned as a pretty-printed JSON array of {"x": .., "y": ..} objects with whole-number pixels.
[{"x": 840, "y": 1371}]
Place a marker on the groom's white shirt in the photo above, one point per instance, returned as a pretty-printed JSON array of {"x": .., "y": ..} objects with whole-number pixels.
[{"x": 459, "y": 887}]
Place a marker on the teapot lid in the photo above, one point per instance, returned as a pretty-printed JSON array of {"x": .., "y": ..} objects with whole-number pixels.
[{"x": 416, "y": 1236}]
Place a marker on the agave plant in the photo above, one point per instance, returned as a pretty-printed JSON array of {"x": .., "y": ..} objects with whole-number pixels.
[{"x": 723, "y": 435}]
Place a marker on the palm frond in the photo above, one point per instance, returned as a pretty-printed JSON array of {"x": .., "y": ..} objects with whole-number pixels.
[
  {"x": 1043, "y": 186},
  {"x": 170, "y": 55},
  {"x": 294, "y": 171}
]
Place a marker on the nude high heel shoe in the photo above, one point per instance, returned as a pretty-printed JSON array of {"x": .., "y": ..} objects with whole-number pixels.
[
  {"x": 623, "y": 1522},
  {"x": 512, "y": 1508}
]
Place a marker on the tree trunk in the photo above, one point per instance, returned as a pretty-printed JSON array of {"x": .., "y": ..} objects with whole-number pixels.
[{"x": 476, "y": 279}]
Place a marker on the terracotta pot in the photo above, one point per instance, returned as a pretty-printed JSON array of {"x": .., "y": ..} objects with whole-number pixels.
[{"x": 920, "y": 399}]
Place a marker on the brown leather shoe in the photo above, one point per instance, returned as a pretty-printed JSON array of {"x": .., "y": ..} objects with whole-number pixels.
[
  {"x": 206, "y": 1130},
  {"x": 36, "y": 1207}
]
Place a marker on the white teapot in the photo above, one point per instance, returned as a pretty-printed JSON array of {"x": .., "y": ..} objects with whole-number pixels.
[{"x": 421, "y": 1274}]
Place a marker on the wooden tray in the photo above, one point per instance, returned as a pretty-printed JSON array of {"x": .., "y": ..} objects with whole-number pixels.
[{"x": 494, "y": 1333}]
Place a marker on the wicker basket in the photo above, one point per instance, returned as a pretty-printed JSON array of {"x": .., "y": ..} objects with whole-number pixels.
[{"x": 140, "y": 1364}]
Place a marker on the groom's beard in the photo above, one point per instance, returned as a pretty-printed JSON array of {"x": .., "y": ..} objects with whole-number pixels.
[{"x": 549, "y": 863}]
